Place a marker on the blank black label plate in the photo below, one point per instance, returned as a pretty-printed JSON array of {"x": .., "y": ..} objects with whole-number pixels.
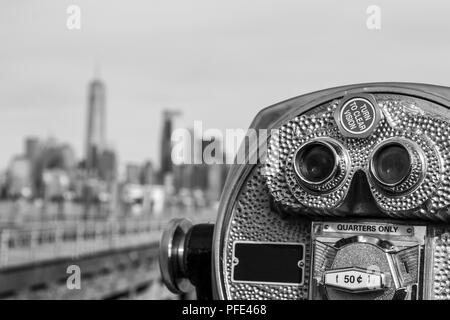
[{"x": 268, "y": 262}]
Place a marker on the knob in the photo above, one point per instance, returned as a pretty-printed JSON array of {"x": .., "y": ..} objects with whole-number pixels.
[{"x": 171, "y": 256}]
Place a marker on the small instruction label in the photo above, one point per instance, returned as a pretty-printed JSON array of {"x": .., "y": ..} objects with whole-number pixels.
[
  {"x": 369, "y": 228},
  {"x": 358, "y": 115}
]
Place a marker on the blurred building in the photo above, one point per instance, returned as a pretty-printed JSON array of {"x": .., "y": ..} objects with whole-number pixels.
[
  {"x": 184, "y": 171},
  {"x": 3, "y": 185},
  {"x": 107, "y": 166},
  {"x": 56, "y": 184},
  {"x": 68, "y": 158},
  {"x": 78, "y": 183},
  {"x": 183, "y": 176},
  {"x": 217, "y": 172},
  {"x": 34, "y": 153},
  {"x": 96, "y": 125},
  {"x": 132, "y": 173},
  {"x": 32, "y": 147},
  {"x": 201, "y": 168},
  {"x": 156, "y": 200},
  {"x": 61, "y": 156},
  {"x": 203, "y": 180},
  {"x": 166, "y": 142},
  {"x": 19, "y": 183},
  {"x": 148, "y": 174},
  {"x": 42, "y": 165}
]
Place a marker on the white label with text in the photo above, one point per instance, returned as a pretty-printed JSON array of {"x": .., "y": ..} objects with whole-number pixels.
[{"x": 368, "y": 228}]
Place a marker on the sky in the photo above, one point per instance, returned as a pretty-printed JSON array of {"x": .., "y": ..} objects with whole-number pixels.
[{"x": 219, "y": 62}]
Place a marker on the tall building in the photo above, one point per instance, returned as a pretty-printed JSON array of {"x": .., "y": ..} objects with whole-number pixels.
[
  {"x": 69, "y": 159},
  {"x": 59, "y": 156},
  {"x": 217, "y": 172},
  {"x": 147, "y": 173},
  {"x": 34, "y": 153},
  {"x": 200, "y": 176},
  {"x": 107, "y": 165},
  {"x": 166, "y": 143},
  {"x": 183, "y": 177},
  {"x": 96, "y": 124},
  {"x": 132, "y": 173},
  {"x": 19, "y": 177},
  {"x": 32, "y": 147}
]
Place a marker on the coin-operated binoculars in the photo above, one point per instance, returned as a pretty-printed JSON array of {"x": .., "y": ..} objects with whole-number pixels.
[{"x": 349, "y": 199}]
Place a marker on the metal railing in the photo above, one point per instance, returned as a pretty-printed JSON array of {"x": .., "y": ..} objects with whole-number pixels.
[
  {"x": 71, "y": 239},
  {"x": 36, "y": 241}
]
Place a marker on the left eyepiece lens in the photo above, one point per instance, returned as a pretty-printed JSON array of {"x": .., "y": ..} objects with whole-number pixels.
[{"x": 316, "y": 162}]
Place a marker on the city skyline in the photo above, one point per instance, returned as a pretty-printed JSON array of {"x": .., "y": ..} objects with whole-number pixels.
[{"x": 188, "y": 56}]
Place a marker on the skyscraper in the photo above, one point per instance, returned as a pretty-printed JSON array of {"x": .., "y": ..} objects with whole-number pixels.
[
  {"x": 19, "y": 177},
  {"x": 107, "y": 165},
  {"x": 96, "y": 124},
  {"x": 32, "y": 147},
  {"x": 34, "y": 153},
  {"x": 132, "y": 173},
  {"x": 166, "y": 144},
  {"x": 147, "y": 173}
]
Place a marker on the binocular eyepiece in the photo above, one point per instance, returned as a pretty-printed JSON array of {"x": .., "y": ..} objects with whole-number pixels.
[
  {"x": 350, "y": 199},
  {"x": 316, "y": 162},
  {"x": 391, "y": 164}
]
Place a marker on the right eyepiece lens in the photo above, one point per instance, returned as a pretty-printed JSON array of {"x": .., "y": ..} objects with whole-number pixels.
[
  {"x": 315, "y": 162},
  {"x": 391, "y": 164}
]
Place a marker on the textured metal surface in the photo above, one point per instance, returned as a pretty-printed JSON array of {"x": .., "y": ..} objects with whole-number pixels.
[
  {"x": 441, "y": 265},
  {"x": 412, "y": 119},
  {"x": 253, "y": 220}
]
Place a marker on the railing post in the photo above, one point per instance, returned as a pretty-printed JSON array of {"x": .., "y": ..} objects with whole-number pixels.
[
  {"x": 58, "y": 240},
  {"x": 115, "y": 230},
  {"x": 96, "y": 236},
  {"x": 4, "y": 247},
  {"x": 33, "y": 243},
  {"x": 79, "y": 240}
]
